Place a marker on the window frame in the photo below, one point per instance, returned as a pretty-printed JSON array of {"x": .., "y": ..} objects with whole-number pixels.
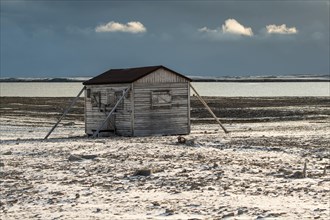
[
  {"x": 96, "y": 99},
  {"x": 160, "y": 105}
]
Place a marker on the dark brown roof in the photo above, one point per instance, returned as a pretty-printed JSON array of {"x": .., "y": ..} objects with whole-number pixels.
[{"x": 126, "y": 75}]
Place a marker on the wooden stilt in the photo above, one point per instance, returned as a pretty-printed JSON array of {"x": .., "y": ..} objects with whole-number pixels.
[
  {"x": 110, "y": 113},
  {"x": 66, "y": 112},
  {"x": 208, "y": 108}
]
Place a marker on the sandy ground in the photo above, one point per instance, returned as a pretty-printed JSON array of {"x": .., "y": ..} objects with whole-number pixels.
[{"x": 255, "y": 172}]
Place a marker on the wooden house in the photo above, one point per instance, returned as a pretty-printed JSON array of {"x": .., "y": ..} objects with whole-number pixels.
[{"x": 143, "y": 101}]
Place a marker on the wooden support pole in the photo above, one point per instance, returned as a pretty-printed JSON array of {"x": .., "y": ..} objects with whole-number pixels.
[
  {"x": 208, "y": 108},
  {"x": 66, "y": 112},
  {"x": 110, "y": 113}
]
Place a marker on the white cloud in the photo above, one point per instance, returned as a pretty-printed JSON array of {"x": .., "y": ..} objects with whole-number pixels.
[
  {"x": 232, "y": 26},
  {"x": 281, "y": 29},
  {"x": 229, "y": 29},
  {"x": 130, "y": 27}
]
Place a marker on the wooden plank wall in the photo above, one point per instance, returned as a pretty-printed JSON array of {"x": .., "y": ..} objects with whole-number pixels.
[
  {"x": 161, "y": 121},
  {"x": 122, "y": 117},
  {"x": 136, "y": 117},
  {"x": 162, "y": 76}
]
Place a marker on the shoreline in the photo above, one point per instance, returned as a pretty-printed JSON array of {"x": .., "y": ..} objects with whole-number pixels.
[
  {"x": 320, "y": 78},
  {"x": 228, "y": 109}
]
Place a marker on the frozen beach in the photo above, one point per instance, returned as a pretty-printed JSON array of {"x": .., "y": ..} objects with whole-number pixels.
[{"x": 254, "y": 172}]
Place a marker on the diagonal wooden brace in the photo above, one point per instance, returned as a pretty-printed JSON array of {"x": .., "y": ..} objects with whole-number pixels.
[
  {"x": 110, "y": 113},
  {"x": 208, "y": 108},
  {"x": 65, "y": 112}
]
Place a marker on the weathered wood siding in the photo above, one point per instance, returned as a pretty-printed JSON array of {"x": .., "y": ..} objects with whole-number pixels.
[
  {"x": 138, "y": 115},
  {"x": 162, "y": 75},
  {"x": 94, "y": 117},
  {"x": 163, "y": 120},
  {"x": 124, "y": 116}
]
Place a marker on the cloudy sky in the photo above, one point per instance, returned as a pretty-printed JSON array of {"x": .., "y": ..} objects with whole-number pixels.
[{"x": 210, "y": 38}]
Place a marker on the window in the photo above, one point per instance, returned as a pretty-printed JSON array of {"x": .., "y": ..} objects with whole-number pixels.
[
  {"x": 111, "y": 99},
  {"x": 161, "y": 99},
  {"x": 96, "y": 99},
  {"x": 118, "y": 95},
  {"x": 88, "y": 91}
]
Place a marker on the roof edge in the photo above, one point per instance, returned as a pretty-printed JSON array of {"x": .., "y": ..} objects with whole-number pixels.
[{"x": 157, "y": 67}]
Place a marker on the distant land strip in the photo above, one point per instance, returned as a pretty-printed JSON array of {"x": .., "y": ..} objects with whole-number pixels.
[{"x": 194, "y": 79}]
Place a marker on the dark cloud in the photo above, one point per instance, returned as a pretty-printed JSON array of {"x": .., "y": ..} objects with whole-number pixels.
[{"x": 58, "y": 38}]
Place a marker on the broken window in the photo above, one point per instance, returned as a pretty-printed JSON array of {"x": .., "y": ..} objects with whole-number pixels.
[
  {"x": 96, "y": 99},
  {"x": 161, "y": 99},
  {"x": 111, "y": 99},
  {"x": 118, "y": 95},
  {"x": 88, "y": 91}
]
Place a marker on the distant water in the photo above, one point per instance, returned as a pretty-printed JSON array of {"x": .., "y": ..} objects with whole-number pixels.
[
  {"x": 263, "y": 89},
  {"x": 40, "y": 89},
  {"x": 229, "y": 89}
]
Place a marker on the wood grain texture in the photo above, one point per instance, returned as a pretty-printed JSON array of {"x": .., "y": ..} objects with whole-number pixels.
[
  {"x": 161, "y": 121},
  {"x": 136, "y": 116},
  {"x": 161, "y": 76},
  {"x": 94, "y": 116}
]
